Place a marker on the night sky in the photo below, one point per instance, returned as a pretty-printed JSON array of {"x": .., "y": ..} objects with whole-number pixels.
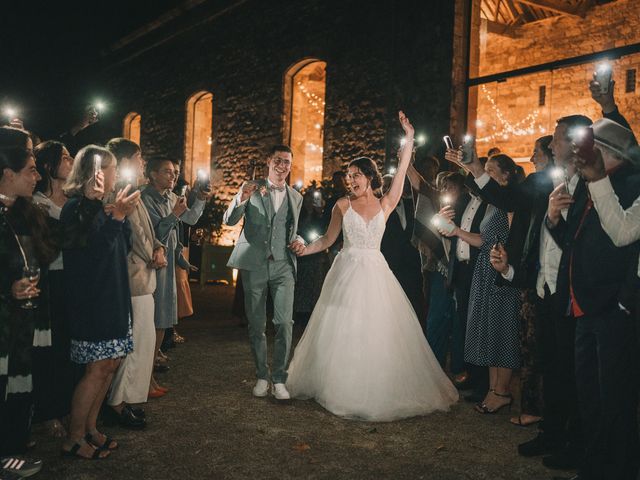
[{"x": 51, "y": 53}]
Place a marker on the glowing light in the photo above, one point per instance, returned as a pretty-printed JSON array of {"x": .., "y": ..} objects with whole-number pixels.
[
  {"x": 557, "y": 173},
  {"x": 318, "y": 126},
  {"x": 313, "y": 235},
  {"x": 421, "y": 139},
  {"x": 445, "y": 199},
  {"x": 100, "y": 106},
  {"x": 479, "y": 123},
  {"x": 392, "y": 170},
  {"x": 10, "y": 112},
  {"x": 203, "y": 174},
  {"x": 467, "y": 138},
  {"x": 299, "y": 184},
  {"x": 234, "y": 275},
  {"x": 603, "y": 67},
  {"x": 436, "y": 220},
  {"x": 317, "y": 194},
  {"x": 577, "y": 133},
  {"x": 403, "y": 141},
  {"x": 127, "y": 174},
  {"x": 97, "y": 163}
]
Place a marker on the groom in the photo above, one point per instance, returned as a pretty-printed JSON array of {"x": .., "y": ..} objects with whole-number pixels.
[{"x": 264, "y": 255}]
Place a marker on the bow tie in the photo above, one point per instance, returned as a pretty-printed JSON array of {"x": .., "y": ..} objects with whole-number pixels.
[{"x": 275, "y": 188}]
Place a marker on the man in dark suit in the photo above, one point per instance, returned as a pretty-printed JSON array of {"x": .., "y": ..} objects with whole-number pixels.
[
  {"x": 593, "y": 281},
  {"x": 401, "y": 255}
]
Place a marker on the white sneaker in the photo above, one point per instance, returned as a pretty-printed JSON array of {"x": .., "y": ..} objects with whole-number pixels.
[
  {"x": 280, "y": 392},
  {"x": 261, "y": 389}
]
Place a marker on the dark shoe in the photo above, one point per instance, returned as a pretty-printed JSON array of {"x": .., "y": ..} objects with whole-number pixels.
[
  {"x": 20, "y": 466},
  {"x": 484, "y": 409},
  {"x": 160, "y": 368},
  {"x": 128, "y": 419},
  {"x": 108, "y": 444},
  {"x": 98, "y": 454},
  {"x": 540, "y": 445},
  {"x": 137, "y": 411},
  {"x": 564, "y": 459}
]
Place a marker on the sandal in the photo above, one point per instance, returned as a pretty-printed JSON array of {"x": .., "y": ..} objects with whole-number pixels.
[
  {"x": 98, "y": 454},
  {"x": 108, "y": 444},
  {"x": 517, "y": 421},
  {"x": 484, "y": 409}
]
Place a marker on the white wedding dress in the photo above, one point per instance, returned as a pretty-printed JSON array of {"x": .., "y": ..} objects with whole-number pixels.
[{"x": 363, "y": 354}]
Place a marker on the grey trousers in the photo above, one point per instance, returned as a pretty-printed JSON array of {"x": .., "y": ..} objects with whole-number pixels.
[{"x": 277, "y": 277}]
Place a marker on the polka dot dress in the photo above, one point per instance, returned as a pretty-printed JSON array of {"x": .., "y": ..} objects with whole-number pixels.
[{"x": 493, "y": 326}]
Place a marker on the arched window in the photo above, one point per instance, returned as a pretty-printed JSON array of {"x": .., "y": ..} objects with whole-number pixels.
[
  {"x": 131, "y": 127},
  {"x": 198, "y": 131},
  {"x": 304, "y": 101}
]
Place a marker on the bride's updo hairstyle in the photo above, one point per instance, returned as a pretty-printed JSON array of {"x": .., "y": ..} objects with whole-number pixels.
[{"x": 369, "y": 169}]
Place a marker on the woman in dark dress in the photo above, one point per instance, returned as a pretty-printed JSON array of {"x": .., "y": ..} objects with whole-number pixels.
[
  {"x": 54, "y": 375},
  {"x": 23, "y": 243},
  {"x": 97, "y": 242}
]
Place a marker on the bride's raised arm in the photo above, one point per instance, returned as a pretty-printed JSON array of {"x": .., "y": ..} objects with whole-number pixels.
[
  {"x": 390, "y": 200},
  {"x": 330, "y": 236}
]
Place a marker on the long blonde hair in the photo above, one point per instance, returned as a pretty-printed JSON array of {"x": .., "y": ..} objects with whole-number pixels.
[{"x": 82, "y": 170}]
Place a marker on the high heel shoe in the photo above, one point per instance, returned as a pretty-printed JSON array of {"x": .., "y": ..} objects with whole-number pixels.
[{"x": 484, "y": 409}]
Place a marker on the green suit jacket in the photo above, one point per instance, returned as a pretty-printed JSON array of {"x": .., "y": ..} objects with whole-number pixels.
[{"x": 252, "y": 248}]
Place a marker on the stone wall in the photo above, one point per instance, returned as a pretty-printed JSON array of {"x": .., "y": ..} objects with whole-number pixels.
[{"x": 381, "y": 57}]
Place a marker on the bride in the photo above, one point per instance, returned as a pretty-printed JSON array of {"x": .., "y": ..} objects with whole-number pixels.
[{"x": 363, "y": 354}]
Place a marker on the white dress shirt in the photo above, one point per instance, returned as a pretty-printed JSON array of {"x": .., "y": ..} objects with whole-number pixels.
[
  {"x": 463, "y": 251},
  {"x": 277, "y": 197},
  {"x": 622, "y": 226},
  {"x": 550, "y": 252}
]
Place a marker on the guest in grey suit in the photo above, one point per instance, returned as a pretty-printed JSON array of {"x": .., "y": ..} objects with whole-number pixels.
[{"x": 264, "y": 255}]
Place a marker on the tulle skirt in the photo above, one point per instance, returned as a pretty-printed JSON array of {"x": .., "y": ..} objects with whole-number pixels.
[{"x": 363, "y": 354}]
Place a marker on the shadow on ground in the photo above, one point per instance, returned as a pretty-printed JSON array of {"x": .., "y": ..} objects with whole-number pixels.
[{"x": 210, "y": 427}]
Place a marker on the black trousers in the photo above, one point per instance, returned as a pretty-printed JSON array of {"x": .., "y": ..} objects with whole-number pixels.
[
  {"x": 606, "y": 373},
  {"x": 16, "y": 412},
  {"x": 462, "y": 286},
  {"x": 561, "y": 421}
]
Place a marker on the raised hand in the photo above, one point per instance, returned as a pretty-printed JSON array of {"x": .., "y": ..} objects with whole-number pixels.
[
  {"x": 559, "y": 199},
  {"x": 94, "y": 190},
  {"x": 247, "y": 190},
  {"x": 123, "y": 204},
  {"x": 591, "y": 169},
  {"x": 447, "y": 212},
  {"x": 180, "y": 207},
  {"x": 499, "y": 258},
  {"x": 406, "y": 126},
  {"x": 606, "y": 100}
]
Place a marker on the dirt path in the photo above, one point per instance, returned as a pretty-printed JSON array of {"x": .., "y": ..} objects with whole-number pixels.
[{"x": 210, "y": 427}]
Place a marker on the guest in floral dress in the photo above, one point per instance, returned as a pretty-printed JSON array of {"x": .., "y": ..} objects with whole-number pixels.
[{"x": 97, "y": 242}]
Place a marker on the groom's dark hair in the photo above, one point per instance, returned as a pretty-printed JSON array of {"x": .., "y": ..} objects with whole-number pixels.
[{"x": 279, "y": 148}]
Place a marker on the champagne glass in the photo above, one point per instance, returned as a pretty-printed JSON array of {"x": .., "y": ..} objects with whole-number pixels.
[{"x": 31, "y": 273}]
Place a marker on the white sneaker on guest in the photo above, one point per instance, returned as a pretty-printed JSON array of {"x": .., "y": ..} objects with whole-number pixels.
[
  {"x": 280, "y": 392},
  {"x": 261, "y": 389}
]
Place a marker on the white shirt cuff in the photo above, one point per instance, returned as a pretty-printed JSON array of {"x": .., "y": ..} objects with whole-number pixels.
[
  {"x": 482, "y": 180},
  {"x": 601, "y": 188},
  {"x": 509, "y": 275}
]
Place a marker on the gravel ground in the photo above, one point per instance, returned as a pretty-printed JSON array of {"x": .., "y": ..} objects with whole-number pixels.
[{"x": 209, "y": 426}]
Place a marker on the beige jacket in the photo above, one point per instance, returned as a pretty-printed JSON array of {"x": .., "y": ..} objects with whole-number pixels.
[{"x": 142, "y": 278}]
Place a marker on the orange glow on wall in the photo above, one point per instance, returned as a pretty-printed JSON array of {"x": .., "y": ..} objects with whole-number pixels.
[
  {"x": 131, "y": 127},
  {"x": 198, "y": 135}
]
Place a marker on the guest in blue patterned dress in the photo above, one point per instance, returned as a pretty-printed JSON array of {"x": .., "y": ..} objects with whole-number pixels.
[
  {"x": 493, "y": 325},
  {"x": 97, "y": 242}
]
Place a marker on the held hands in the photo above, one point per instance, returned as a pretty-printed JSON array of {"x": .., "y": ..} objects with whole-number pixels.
[
  {"x": 23, "y": 289},
  {"x": 123, "y": 204},
  {"x": 591, "y": 170},
  {"x": 247, "y": 190},
  {"x": 180, "y": 207},
  {"x": 559, "y": 199},
  {"x": 94, "y": 190},
  {"x": 298, "y": 248},
  {"x": 499, "y": 259}
]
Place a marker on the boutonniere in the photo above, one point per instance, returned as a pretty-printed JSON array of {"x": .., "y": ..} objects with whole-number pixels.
[{"x": 263, "y": 191}]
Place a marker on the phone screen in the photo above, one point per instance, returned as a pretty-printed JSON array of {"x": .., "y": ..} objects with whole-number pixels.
[{"x": 448, "y": 142}]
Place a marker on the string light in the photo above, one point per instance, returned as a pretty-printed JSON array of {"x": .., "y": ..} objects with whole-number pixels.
[
  {"x": 313, "y": 99},
  {"x": 526, "y": 126}
]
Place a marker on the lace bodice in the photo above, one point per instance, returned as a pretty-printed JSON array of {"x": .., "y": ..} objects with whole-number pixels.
[{"x": 357, "y": 233}]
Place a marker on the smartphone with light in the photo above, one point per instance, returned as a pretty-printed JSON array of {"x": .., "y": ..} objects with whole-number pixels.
[
  {"x": 448, "y": 142},
  {"x": 467, "y": 149},
  {"x": 583, "y": 142},
  {"x": 603, "y": 77},
  {"x": 439, "y": 222},
  {"x": 97, "y": 166}
]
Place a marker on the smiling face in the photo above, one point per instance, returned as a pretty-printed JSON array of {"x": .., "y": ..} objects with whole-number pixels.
[
  {"x": 495, "y": 172},
  {"x": 539, "y": 158},
  {"x": 279, "y": 167},
  {"x": 358, "y": 181},
  {"x": 165, "y": 178}
]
